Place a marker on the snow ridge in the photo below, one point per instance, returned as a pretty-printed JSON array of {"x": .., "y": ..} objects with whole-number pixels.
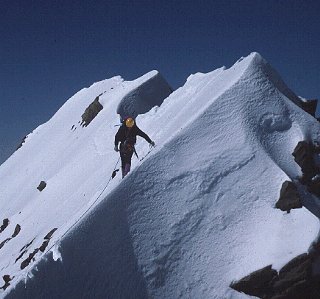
[{"x": 194, "y": 215}]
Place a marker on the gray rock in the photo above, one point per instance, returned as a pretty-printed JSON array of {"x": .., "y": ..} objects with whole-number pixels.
[
  {"x": 4, "y": 242},
  {"x": 310, "y": 106},
  {"x": 49, "y": 234},
  {"x": 297, "y": 270},
  {"x": 91, "y": 112},
  {"x": 289, "y": 197},
  {"x": 27, "y": 261},
  {"x": 16, "y": 231},
  {"x": 296, "y": 280},
  {"x": 22, "y": 142},
  {"x": 44, "y": 245},
  {"x": 314, "y": 186},
  {"x": 257, "y": 283},
  {"x": 42, "y": 185},
  {"x": 4, "y": 225},
  {"x": 304, "y": 157},
  {"x": 7, "y": 280}
]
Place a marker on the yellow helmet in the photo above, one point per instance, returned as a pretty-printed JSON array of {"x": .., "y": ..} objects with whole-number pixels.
[{"x": 129, "y": 122}]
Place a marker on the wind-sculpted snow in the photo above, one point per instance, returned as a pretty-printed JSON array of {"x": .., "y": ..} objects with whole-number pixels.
[
  {"x": 141, "y": 99},
  {"x": 97, "y": 261},
  {"x": 194, "y": 215},
  {"x": 74, "y": 161},
  {"x": 209, "y": 218},
  {"x": 271, "y": 122}
]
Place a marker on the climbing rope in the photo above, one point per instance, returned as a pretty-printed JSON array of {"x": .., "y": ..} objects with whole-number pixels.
[
  {"x": 90, "y": 206},
  {"x": 150, "y": 150}
]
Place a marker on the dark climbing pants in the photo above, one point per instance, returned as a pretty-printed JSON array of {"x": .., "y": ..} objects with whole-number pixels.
[{"x": 126, "y": 156}]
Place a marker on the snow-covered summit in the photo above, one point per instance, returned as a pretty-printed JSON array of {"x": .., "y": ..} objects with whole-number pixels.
[{"x": 194, "y": 215}]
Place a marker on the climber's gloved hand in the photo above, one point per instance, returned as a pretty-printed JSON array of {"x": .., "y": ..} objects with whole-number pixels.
[
  {"x": 116, "y": 148},
  {"x": 152, "y": 144}
]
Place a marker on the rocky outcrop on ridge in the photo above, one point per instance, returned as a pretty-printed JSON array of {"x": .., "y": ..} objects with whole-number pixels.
[
  {"x": 304, "y": 157},
  {"x": 42, "y": 248},
  {"x": 310, "y": 106},
  {"x": 22, "y": 142},
  {"x": 300, "y": 278},
  {"x": 289, "y": 197},
  {"x": 296, "y": 280},
  {"x": 91, "y": 112}
]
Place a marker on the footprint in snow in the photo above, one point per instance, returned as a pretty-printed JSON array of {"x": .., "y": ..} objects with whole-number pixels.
[{"x": 272, "y": 122}]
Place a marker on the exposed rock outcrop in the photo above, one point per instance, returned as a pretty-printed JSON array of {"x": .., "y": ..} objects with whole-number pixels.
[
  {"x": 42, "y": 248},
  {"x": 258, "y": 283},
  {"x": 44, "y": 245},
  {"x": 314, "y": 186},
  {"x": 91, "y": 112},
  {"x": 296, "y": 280},
  {"x": 310, "y": 106},
  {"x": 4, "y": 225},
  {"x": 4, "y": 242},
  {"x": 304, "y": 157},
  {"x": 42, "y": 185},
  {"x": 23, "y": 250},
  {"x": 296, "y": 271},
  {"x": 25, "y": 247},
  {"x": 22, "y": 142},
  {"x": 289, "y": 197},
  {"x": 21, "y": 255},
  {"x": 16, "y": 231},
  {"x": 7, "y": 280},
  {"x": 27, "y": 261},
  {"x": 47, "y": 240},
  {"x": 49, "y": 234}
]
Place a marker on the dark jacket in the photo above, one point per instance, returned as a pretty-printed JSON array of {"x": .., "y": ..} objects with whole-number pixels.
[{"x": 129, "y": 135}]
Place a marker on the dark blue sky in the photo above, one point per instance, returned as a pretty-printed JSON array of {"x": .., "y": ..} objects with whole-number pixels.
[{"x": 51, "y": 49}]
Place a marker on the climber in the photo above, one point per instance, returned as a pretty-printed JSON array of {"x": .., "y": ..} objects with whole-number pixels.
[{"x": 127, "y": 136}]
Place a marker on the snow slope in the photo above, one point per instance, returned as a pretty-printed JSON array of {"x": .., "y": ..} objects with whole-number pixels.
[
  {"x": 75, "y": 161},
  {"x": 195, "y": 214}
]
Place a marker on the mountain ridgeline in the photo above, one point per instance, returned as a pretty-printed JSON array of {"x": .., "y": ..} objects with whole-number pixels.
[{"x": 225, "y": 206}]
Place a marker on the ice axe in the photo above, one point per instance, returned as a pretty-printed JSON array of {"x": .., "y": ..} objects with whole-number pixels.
[{"x": 114, "y": 173}]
